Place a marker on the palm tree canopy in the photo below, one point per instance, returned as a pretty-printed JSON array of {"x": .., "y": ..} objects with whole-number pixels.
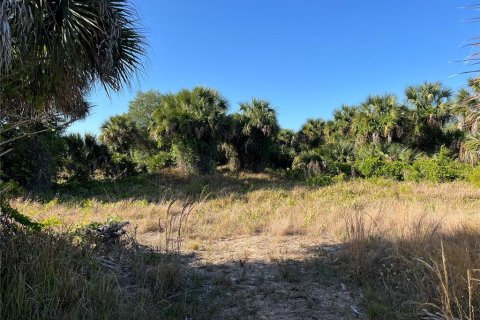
[
  {"x": 467, "y": 108},
  {"x": 190, "y": 114},
  {"x": 258, "y": 114},
  {"x": 53, "y": 52},
  {"x": 379, "y": 117},
  {"x": 312, "y": 135},
  {"x": 430, "y": 103},
  {"x": 118, "y": 133}
]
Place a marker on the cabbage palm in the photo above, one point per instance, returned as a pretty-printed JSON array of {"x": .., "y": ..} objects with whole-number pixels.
[
  {"x": 97, "y": 155},
  {"x": 467, "y": 111},
  {"x": 430, "y": 109},
  {"x": 340, "y": 127},
  {"x": 119, "y": 134},
  {"x": 342, "y": 119},
  {"x": 467, "y": 108},
  {"x": 191, "y": 121},
  {"x": 259, "y": 123},
  {"x": 311, "y": 135},
  {"x": 378, "y": 119},
  {"x": 287, "y": 146},
  {"x": 470, "y": 149},
  {"x": 53, "y": 52},
  {"x": 260, "y": 116}
]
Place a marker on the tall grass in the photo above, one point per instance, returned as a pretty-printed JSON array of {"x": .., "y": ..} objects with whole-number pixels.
[
  {"x": 413, "y": 247},
  {"x": 45, "y": 275},
  {"x": 422, "y": 269}
]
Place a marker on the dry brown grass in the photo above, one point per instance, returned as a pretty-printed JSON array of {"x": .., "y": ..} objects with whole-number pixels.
[
  {"x": 393, "y": 231},
  {"x": 416, "y": 262},
  {"x": 47, "y": 275},
  {"x": 277, "y": 208}
]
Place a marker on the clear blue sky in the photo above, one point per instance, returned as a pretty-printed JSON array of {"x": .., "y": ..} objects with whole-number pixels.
[{"x": 307, "y": 57}]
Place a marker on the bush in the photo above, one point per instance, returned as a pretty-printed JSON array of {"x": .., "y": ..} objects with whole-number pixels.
[
  {"x": 320, "y": 180},
  {"x": 474, "y": 176},
  {"x": 341, "y": 177},
  {"x": 159, "y": 161},
  {"x": 293, "y": 174},
  {"x": 340, "y": 168},
  {"x": 121, "y": 166},
  {"x": 11, "y": 189},
  {"x": 34, "y": 161},
  {"x": 437, "y": 169},
  {"x": 369, "y": 167},
  {"x": 392, "y": 170}
]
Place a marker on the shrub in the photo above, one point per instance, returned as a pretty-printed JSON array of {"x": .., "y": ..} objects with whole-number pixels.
[
  {"x": 320, "y": 180},
  {"x": 159, "y": 161},
  {"x": 474, "y": 176},
  {"x": 369, "y": 166},
  {"x": 392, "y": 169},
  {"x": 340, "y": 177},
  {"x": 311, "y": 162},
  {"x": 437, "y": 169},
  {"x": 340, "y": 168},
  {"x": 11, "y": 189},
  {"x": 293, "y": 174},
  {"x": 122, "y": 166},
  {"x": 34, "y": 161}
]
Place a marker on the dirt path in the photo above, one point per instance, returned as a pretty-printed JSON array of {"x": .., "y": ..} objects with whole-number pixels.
[{"x": 258, "y": 277}]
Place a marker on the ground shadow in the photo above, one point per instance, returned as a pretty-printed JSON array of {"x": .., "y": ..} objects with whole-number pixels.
[
  {"x": 309, "y": 288},
  {"x": 166, "y": 186}
]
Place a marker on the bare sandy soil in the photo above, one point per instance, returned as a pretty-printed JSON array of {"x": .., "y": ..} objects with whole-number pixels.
[{"x": 288, "y": 277}]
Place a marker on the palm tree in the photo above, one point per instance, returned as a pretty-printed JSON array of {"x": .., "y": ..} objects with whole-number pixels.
[
  {"x": 260, "y": 116},
  {"x": 467, "y": 111},
  {"x": 119, "y": 134},
  {"x": 470, "y": 149},
  {"x": 467, "y": 108},
  {"x": 97, "y": 155},
  {"x": 342, "y": 119},
  {"x": 75, "y": 162},
  {"x": 312, "y": 134},
  {"x": 430, "y": 110},
  {"x": 378, "y": 119},
  {"x": 287, "y": 146},
  {"x": 191, "y": 121},
  {"x": 53, "y": 52},
  {"x": 259, "y": 129}
]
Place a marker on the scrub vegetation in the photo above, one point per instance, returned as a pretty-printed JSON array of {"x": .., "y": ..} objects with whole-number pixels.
[{"x": 181, "y": 209}]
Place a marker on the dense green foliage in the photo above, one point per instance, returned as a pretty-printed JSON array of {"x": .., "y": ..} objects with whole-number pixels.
[
  {"x": 53, "y": 52},
  {"x": 191, "y": 122},
  {"x": 255, "y": 129},
  {"x": 432, "y": 136}
]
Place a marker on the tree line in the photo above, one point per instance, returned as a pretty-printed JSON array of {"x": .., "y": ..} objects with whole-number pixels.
[{"x": 428, "y": 133}]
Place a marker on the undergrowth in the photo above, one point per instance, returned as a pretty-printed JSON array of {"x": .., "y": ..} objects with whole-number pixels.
[
  {"x": 47, "y": 275},
  {"x": 424, "y": 271}
]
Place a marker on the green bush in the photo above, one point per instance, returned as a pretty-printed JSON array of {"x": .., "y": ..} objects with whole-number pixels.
[
  {"x": 11, "y": 189},
  {"x": 121, "y": 166},
  {"x": 320, "y": 180},
  {"x": 341, "y": 168},
  {"x": 293, "y": 174},
  {"x": 159, "y": 161},
  {"x": 341, "y": 177},
  {"x": 369, "y": 167},
  {"x": 474, "y": 176},
  {"x": 392, "y": 170},
  {"x": 437, "y": 169}
]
